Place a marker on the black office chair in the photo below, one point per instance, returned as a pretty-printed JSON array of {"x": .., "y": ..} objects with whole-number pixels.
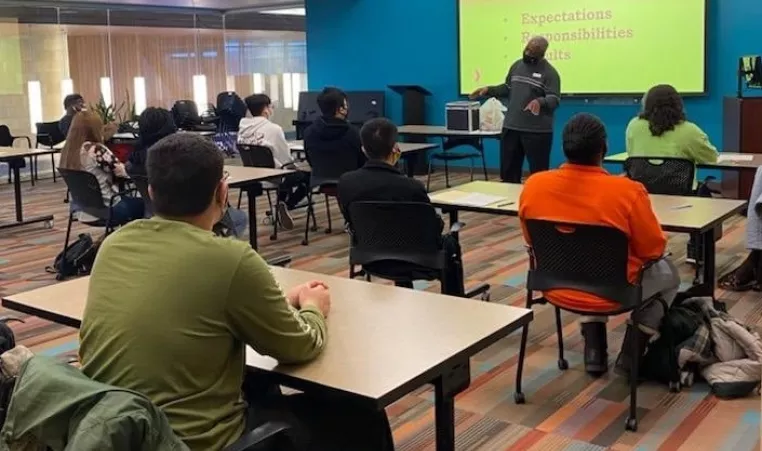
[
  {"x": 262, "y": 157},
  {"x": 8, "y": 140},
  {"x": 399, "y": 241},
  {"x": 674, "y": 177},
  {"x": 48, "y": 135},
  {"x": 86, "y": 195},
  {"x": 446, "y": 155},
  {"x": 588, "y": 258}
]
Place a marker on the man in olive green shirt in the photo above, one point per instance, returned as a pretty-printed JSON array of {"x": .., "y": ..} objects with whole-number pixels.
[{"x": 171, "y": 307}]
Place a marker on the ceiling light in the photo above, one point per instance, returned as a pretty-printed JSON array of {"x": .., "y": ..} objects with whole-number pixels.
[{"x": 285, "y": 11}]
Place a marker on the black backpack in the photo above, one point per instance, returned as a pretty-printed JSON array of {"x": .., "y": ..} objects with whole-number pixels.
[{"x": 77, "y": 259}]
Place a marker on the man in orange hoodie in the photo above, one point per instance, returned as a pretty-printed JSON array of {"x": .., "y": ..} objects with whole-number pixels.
[{"x": 581, "y": 191}]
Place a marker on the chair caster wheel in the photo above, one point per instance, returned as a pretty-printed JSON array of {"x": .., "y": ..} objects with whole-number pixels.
[
  {"x": 273, "y": 237},
  {"x": 631, "y": 424},
  {"x": 518, "y": 398},
  {"x": 563, "y": 365},
  {"x": 305, "y": 243},
  {"x": 675, "y": 387}
]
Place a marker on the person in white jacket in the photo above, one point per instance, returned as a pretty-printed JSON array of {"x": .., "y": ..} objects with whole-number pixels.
[{"x": 260, "y": 131}]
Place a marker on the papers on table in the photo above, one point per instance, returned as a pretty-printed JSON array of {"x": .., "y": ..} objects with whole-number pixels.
[
  {"x": 464, "y": 198},
  {"x": 735, "y": 157}
]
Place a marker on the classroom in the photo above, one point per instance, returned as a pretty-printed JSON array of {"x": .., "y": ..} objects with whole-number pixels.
[{"x": 286, "y": 225}]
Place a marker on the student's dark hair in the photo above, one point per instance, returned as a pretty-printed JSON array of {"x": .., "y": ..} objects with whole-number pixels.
[
  {"x": 155, "y": 124},
  {"x": 330, "y": 100},
  {"x": 663, "y": 109},
  {"x": 72, "y": 99},
  {"x": 183, "y": 171},
  {"x": 378, "y": 138},
  {"x": 584, "y": 139},
  {"x": 257, "y": 103}
]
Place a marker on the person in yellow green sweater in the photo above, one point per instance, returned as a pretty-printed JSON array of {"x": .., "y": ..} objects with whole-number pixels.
[
  {"x": 171, "y": 309},
  {"x": 662, "y": 130}
]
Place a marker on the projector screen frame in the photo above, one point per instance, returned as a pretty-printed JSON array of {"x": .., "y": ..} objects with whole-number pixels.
[{"x": 621, "y": 95}]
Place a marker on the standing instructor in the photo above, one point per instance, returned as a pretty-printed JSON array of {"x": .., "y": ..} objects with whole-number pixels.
[{"x": 532, "y": 87}]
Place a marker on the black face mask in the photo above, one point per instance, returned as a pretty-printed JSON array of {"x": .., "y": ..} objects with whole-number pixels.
[{"x": 529, "y": 59}]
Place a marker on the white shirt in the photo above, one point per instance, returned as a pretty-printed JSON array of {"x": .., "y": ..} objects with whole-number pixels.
[{"x": 259, "y": 131}]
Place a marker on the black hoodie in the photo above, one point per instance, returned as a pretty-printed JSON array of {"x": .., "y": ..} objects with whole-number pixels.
[{"x": 333, "y": 147}]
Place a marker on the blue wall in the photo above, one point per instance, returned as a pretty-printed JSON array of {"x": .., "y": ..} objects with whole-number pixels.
[{"x": 369, "y": 44}]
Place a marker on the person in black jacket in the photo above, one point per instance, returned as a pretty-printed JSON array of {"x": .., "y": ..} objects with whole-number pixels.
[
  {"x": 379, "y": 180},
  {"x": 154, "y": 124},
  {"x": 331, "y": 143}
]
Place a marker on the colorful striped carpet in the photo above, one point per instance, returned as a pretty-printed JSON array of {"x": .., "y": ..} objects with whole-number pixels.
[{"x": 564, "y": 411}]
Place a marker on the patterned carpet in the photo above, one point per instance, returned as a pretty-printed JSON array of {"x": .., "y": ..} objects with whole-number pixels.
[{"x": 564, "y": 411}]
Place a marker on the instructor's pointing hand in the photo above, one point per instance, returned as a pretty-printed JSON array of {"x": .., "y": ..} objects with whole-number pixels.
[
  {"x": 533, "y": 107},
  {"x": 479, "y": 93}
]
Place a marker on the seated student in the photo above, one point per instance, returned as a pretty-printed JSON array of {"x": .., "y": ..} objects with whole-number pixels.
[
  {"x": 84, "y": 151},
  {"x": 380, "y": 180},
  {"x": 154, "y": 124},
  {"x": 260, "y": 131},
  {"x": 331, "y": 143},
  {"x": 171, "y": 309},
  {"x": 581, "y": 191},
  {"x": 748, "y": 275},
  {"x": 661, "y": 130}
]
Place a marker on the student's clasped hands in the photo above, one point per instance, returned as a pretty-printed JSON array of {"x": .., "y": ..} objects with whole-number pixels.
[{"x": 314, "y": 293}]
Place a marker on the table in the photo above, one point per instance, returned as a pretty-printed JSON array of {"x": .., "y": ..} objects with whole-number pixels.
[
  {"x": 15, "y": 158},
  {"x": 406, "y": 149},
  {"x": 384, "y": 341},
  {"x": 250, "y": 180},
  {"x": 682, "y": 214},
  {"x": 452, "y": 138}
]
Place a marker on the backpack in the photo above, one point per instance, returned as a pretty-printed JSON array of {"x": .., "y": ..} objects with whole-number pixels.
[{"x": 77, "y": 259}]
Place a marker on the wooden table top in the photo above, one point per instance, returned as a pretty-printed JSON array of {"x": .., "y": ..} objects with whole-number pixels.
[
  {"x": 727, "y": 161},
  {"x": 10, "y": 153},
  {"x": 298, "y": 146},
  {"x": 242, "y": 175},
  {"x": 383, "y": 341},
  {"x": 675, "y": 213},
  {"x": 440, "y": 130}
]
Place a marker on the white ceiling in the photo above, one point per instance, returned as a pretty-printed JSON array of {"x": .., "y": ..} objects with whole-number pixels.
[{"x": 210, "y": 4}]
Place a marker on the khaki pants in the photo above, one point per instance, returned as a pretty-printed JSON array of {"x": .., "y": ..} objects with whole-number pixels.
[{"x": 662, "y": 278}]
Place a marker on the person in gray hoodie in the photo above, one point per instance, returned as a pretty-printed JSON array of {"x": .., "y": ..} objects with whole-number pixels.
[{"x": 533, "y": 89}]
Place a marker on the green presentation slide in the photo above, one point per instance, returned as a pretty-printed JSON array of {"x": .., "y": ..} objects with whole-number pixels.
[{"x": 597, "y": 46}]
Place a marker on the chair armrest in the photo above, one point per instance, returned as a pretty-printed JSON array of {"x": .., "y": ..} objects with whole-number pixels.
[
  {"x": 456, "y": 227},
  {"x": 259, "y": 438},
  {"x": 28, "y": 141},
  {"x": 282, "y": 261}
]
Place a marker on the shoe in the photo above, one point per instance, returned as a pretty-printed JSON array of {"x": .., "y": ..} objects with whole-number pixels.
[
  {"x": 284, "y": 217},
  {"x": 624, "y": 360},
  {"x": 596, "y": 348}
]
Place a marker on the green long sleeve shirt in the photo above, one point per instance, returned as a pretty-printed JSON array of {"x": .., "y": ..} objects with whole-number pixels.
[
  {"x": 687, "y": 141},
  {"x": 169, "y": 313}
]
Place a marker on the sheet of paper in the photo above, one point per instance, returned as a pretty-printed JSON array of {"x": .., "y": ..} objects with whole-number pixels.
[
  {"x": 464, "y": 198},
  {"x": 735, "y": 157}
]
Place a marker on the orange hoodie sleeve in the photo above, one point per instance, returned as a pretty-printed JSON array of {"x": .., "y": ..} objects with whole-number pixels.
[{"x": 647, "y": 240}]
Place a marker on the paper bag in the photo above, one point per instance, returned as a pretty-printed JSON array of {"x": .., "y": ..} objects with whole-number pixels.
[{"x": 491, "y": 115}]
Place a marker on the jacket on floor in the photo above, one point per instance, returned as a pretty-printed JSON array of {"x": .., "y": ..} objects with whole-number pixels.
[{"x": 54, "y": 405}]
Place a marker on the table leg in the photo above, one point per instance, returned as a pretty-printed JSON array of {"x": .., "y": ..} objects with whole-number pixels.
[
  {"x": 251, "y": 197},
  {"x": 446, "y": 387},
  {"x": 19, "y": 206},
  {"x": 709, "y": 280}
]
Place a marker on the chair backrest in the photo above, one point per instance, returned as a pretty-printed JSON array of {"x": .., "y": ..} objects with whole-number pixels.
[
  {"x": 395, "y": 231},
  {"x": 141, "y": 183},
  {"x": 185, "y": 114},
  {"x": 48, "y": 134},
  {"x": 588, "y": 258},
  {"x": 663, "y": 175},
  {"x": 85, "y": 192},
  {"x": 6, "y": 139},
  {"x": 256, "y": 156},
  {"x": 328, "y": 167},
  {"x": 230, "y": 110}
]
